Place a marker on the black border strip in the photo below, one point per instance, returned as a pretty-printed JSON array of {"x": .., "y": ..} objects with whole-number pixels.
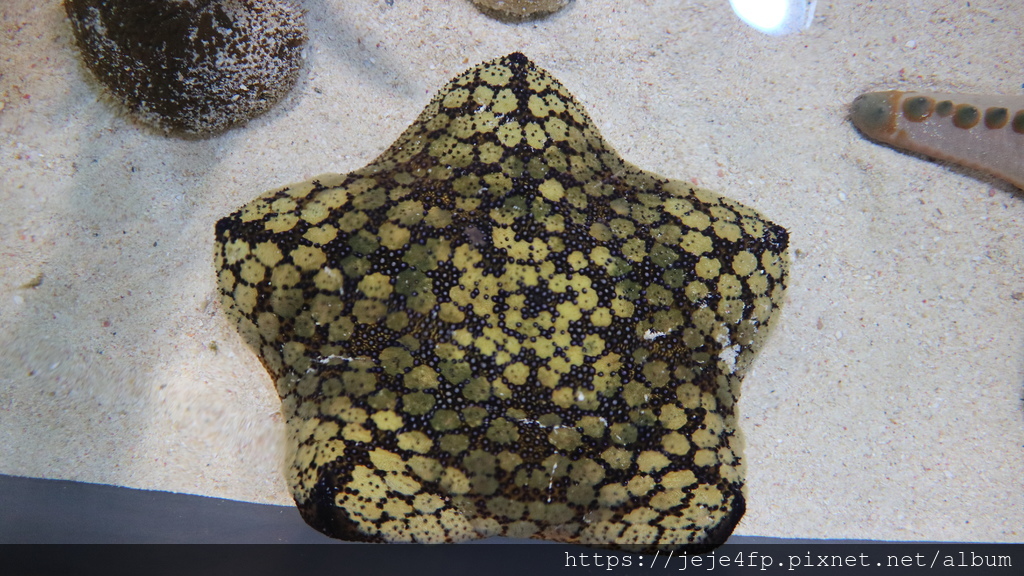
[{"x": 58, "y": 527}]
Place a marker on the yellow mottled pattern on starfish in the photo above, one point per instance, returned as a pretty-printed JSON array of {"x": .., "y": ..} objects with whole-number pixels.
[{"x": 501, "y": 328}]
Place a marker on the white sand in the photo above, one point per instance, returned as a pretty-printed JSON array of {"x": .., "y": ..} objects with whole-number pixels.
[{"x": 887, "y": 405}]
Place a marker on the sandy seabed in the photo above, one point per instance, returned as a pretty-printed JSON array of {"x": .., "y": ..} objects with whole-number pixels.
[{"x": 886, "y": 405}]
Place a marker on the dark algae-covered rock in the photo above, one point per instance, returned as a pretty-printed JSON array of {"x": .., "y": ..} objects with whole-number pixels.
[
  {"x": 499, "y": 327},
  {"x": 194, "y": 67}
]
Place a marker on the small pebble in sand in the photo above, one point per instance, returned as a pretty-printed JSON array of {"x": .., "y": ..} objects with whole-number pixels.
[
  {"x": 519, "y": 10},
  {"x": 194, "y": 67}
]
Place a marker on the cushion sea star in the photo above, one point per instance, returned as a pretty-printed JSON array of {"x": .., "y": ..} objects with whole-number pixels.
[{"x": 500, "y": 327}]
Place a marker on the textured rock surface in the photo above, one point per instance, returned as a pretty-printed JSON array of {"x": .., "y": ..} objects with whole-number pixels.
[
  {"x": 519, "y": 10},
  {"x": 499, "y": 327},
  {"x": 191, "y": 66}
]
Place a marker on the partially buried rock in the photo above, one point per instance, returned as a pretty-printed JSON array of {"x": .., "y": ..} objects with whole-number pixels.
[
  {"x": 519, "y": 10},
  {"x": 501, "y": 327},
  {"x": 195, "y": 67}
]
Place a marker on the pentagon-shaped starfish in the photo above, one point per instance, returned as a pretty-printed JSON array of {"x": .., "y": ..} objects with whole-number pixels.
[{"x": 499, "y": 327}]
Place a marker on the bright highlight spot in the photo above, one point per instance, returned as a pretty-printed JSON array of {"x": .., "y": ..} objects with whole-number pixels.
[{"x": 775, "y": 17}]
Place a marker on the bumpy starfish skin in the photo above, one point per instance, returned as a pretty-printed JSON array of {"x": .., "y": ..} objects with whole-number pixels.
[{"x": 499, "y": 327}]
